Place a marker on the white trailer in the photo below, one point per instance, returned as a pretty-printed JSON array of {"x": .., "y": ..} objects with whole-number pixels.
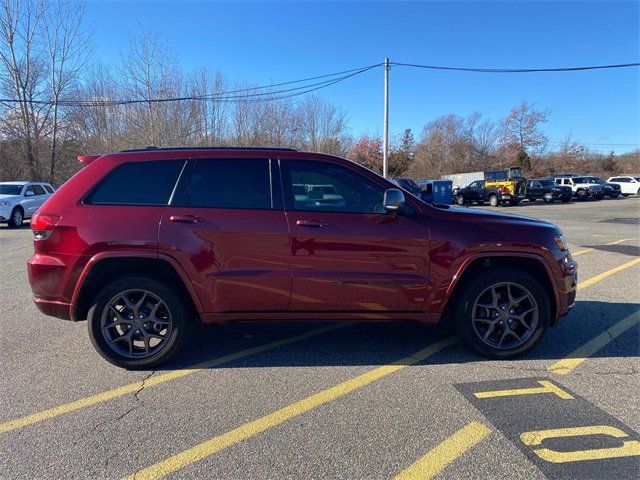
[{"x": 461, "y": 180}]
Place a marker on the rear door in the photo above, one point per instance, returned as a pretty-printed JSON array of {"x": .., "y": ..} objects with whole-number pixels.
[
  {"x": 347, "y": 254},
  {"x": 227, "y": 228}
]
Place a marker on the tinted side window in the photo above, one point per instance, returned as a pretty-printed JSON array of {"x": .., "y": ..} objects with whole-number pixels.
[
  {"x": 231, "y": 183},
  {"x": 325, "y": 187},
  {"x": 39, "y": 190},
  {"x": 138, "y": 183}
]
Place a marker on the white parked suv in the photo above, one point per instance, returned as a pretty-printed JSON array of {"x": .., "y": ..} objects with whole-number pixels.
[
  {"x": 629, "y": 184},
  {"x": 582, "y": 187},
  {"x": 20, "y": 200}
]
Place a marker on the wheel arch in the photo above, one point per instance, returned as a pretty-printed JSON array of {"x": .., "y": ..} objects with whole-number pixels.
[
  {"x": 118, "y": 264},
  {"x": 529, "y": 263}
]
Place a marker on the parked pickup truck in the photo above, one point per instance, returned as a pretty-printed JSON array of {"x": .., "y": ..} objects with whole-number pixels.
[
  {"x": 581, "y": 187},
  {"x": 547, "y": 190},
  {"x": 493, "y": 192}
]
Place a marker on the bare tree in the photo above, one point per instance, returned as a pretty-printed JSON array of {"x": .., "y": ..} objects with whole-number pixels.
[
  {"x": 23, "y": 75},
  {"x": 67, "y": 47},
  {"x": 521, "y": 128}
]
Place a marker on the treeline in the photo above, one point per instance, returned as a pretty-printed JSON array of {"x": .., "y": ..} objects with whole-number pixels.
[
  {"x": 66, "y": 106},
  {"x": 455, "y": 144}
]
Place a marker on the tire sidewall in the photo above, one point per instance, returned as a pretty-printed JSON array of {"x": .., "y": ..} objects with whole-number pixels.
[
  {"x": 473, "y": 288},
  {"x": 493, "y": 201},
  {"x": 175, "y": 304},
  {"x": 12, "y": 223},
  {"x": 548, "y": 198}
]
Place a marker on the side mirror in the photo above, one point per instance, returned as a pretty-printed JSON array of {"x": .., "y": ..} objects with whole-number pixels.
[
  {"x": 393, "y": 200},
  {"x": 29, "y": 193}
]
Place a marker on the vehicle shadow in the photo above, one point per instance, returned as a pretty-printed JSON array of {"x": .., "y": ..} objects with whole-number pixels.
[{"x": 378, "y": 343}]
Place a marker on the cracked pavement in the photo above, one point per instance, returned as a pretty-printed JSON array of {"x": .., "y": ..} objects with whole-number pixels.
[{"x": 373, "y": 432}]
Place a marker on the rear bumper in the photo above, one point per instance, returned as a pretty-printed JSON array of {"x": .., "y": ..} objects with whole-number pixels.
[{"x": 53, "y": 308}]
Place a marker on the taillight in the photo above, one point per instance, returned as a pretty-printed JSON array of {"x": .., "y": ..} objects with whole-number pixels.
[
  {"x": 43, "y": 224},
  {"x": 504, "y": 190}
]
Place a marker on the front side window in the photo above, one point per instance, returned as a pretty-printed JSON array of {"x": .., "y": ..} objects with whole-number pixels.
[
  {"x": 138, "y": 183},
  {"x": 546, "y": 183},
  {"x": 231, "y": 183},
  {"x": 325, "y": 187},
  {"x": 38, "y": 190}
]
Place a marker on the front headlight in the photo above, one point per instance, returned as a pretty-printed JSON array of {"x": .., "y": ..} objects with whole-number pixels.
[
  {"x": 562, "y": 245},
  {"x": 5, "y": 204}
]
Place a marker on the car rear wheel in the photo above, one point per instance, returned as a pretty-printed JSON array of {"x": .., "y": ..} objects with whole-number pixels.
[
  {"x": 137, "y": 322},
  {"x": 502, "y": 313},
  {"x": 493, "y": 201},
  {"x": 548, "y": 198},
  {"x": 16, "y": 218}
]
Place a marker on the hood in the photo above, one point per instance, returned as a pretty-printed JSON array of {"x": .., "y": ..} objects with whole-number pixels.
[
  {"x": 9, "y": 197},
  {"x": 481, "y": 216}
]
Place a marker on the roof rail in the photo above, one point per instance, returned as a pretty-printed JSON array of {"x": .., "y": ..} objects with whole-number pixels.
[{"x": 206, "y": 148}]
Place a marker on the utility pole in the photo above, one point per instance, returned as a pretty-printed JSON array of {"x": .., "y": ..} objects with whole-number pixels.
[{"x": 385, "y": 138}]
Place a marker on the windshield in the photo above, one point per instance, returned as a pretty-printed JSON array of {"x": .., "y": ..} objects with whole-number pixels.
[
  {"x": 596, "y": 180},
  {"x": 10, "y": 189}
]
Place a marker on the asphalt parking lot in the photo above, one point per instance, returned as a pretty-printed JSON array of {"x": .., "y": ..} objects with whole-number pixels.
[{"x": 345, "y": 400}]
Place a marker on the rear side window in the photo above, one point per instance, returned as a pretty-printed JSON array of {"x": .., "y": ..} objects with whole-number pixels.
[
  {"x": 138, "y": 183},
  {"x": 231, "y": 183},
  {"x": 48, "y": 188}
]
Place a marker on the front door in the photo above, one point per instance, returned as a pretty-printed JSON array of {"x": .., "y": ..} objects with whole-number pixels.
[
  {"x": 228, "y": 229},
  {"x": 474, "y": 191},
  {"x": 347, "y": 254}
]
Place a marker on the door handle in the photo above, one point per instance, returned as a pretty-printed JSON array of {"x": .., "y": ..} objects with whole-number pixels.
[
  {"x": 311, "y": 223},
  {"x": 186, "y": 219}
]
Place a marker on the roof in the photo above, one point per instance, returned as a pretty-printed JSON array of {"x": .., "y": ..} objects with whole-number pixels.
[
  {"x": 173, "y": 149},
  {"x": 17, "y": 182}
]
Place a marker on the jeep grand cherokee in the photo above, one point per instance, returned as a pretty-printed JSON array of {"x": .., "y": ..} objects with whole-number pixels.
[{"x": 140, "y": 243}]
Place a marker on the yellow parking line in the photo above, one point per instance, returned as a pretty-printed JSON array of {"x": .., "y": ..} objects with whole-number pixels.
[
  {"x": 445, "y": 453},
  {"x": 250, "y": 429},
  {"x": 608, "y": 273},
  {"x": 575, "y": 358},
  {"x": 617, "y": 242},
  {"x": 157, "y": 380}
]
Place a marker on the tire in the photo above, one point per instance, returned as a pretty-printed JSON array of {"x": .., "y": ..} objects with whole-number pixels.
[
  {"x": 460, "y": 200},
  {"x": 17, "y": 218},
  {"x": 598, "y": 197},
  {"x": 473, "y": 293},
  {"x": 638, "y": 192},
  {"x": 172, "y": 317},
  {"x": 493, "y": 201},
  {"x": 626, "y": 194},
  {"x": 548, "y": 198},
  {"x": 581, "y": 195}
]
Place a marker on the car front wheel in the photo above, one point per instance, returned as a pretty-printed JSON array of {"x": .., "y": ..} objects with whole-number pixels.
[
  {"x": 137, "y": 322},
  {"x": 16, "y": 219},
  {"x": 548, "y": 198},
  {"x": 502, "y": 313},
  {"x": 460, "y": 200}
]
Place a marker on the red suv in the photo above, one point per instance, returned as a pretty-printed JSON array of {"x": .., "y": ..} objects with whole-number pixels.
[{"x": 140, "y": 243}]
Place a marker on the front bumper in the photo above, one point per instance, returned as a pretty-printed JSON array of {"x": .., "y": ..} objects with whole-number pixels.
[{"x": 5, "y": 213}]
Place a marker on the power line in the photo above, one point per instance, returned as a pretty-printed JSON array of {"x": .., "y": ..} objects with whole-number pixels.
[
  {"x": 226, "y": 96},
  {"x": 516, "y": 70},
  {"x": 233, "y": 96}
]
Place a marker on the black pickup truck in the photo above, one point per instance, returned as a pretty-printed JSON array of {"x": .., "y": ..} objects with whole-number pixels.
[
  {"x": 493, "y": 192},
  {"x": 547, "y": 190}
]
